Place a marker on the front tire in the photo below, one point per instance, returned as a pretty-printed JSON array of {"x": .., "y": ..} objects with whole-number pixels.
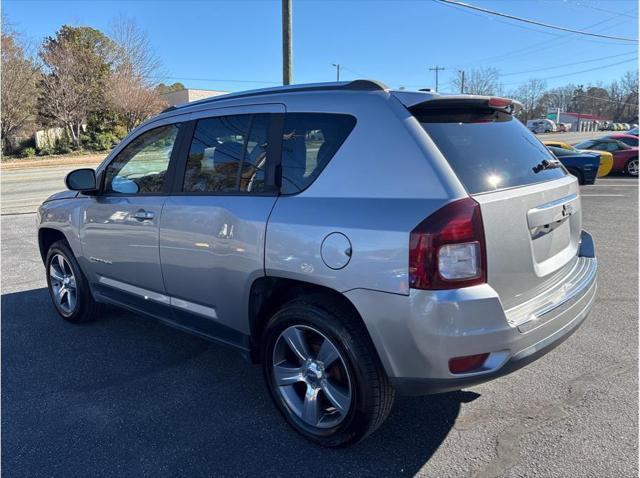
[
  {"x": 323, "y": 372},
  {"x": 68, "y": 287}
]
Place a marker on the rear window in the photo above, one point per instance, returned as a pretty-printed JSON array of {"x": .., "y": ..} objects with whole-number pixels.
[{"x": 487, "y": 149}]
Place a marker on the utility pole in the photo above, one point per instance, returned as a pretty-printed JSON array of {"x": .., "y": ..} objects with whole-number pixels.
[
  {"x": 461, "y": 81},
  {"x": 286, "y": 42},
  {"x": 437, "y": 69},
  {"x": 337, "y": 65}
]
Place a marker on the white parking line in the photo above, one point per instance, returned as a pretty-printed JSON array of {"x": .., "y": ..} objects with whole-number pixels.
[
  {"x": 612, "y": 185},
  {"x": 602, "y": 196}
]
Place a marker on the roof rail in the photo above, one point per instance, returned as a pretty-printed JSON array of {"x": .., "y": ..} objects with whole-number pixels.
[
  {"x": 170, "y": 108},
  {"x": 355, "y": 85}
]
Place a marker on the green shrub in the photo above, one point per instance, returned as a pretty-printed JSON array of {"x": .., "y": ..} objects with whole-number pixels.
[
  {"x": 99, "y": 141},
  {"x": 46, "y": 151},
  {"x": 62, "y": 146},
  {"x": 120, "y": 131},
  {"x": 27, "y": 152}
]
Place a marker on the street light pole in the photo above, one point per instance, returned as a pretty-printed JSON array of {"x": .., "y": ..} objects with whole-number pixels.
[
  {"x": 462, "y": 81},
  {"x": 286, "y": 42},
  {"x": 337, "y": 65}
]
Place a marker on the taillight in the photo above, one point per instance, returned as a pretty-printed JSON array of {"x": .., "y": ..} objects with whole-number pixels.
[{"x": 447, "y": 250}]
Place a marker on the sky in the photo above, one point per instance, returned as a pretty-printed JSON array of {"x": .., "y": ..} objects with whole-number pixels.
[{"x": 236, "y": 45}]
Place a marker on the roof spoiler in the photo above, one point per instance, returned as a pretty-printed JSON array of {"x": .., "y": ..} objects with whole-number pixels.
[{"x": 435, "y": 101}]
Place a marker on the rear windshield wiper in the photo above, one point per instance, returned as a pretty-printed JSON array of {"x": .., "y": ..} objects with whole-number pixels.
[{"x": 546, "y": 164}]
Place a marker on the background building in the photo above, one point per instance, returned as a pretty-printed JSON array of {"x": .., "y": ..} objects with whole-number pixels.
[{"x": 187, "y": 95}]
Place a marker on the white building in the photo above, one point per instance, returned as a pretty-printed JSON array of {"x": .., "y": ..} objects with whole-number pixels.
[{"x": 187, "y": 95}]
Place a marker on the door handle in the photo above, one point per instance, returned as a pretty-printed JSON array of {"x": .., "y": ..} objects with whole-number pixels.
[{"x": 143, "y": 215}]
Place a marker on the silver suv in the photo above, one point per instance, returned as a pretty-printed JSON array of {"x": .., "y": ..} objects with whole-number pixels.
[{"x": 355, "y": 241}]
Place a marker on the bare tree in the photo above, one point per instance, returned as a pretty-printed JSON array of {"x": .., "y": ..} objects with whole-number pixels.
[
  {"x": 130, "y": 92},
  {"x": 77, "y": 62},
  {"x": 629, "y": 84},
  {"x": 134, "y": 51},
  {"x": 19, "y": 90},
  {"x": 559, "y": 97},
  {"x": 131, "y": 99},
  {"x": 482, "y": 81},
  {"x": 530, "y": 95}
]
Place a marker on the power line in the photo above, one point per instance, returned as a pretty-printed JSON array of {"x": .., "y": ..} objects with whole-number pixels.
[
  {"x": 354, "y": 72},
  {"x": 575, "y": 72},
  {"x": 545, "y": 45},
  {"x": 597, "y": 98},
  {"x": 533, "y": 22},
  {"x": 213, "y": 80},
  {"x": 568, "y": 64},
  {"x": 604, "y": 10}
]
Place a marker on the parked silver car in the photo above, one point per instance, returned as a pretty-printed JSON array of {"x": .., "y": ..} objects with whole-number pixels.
[{"x": 355, "y": 241}]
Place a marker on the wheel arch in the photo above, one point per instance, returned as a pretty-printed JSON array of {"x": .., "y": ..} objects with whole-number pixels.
[
  {"x": 46, "y": 237},
  {"x": 269, "y": 293},
  {"x": 577, "y": 173}
]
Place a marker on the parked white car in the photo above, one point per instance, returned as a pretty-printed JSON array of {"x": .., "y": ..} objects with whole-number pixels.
[{"x": 541, "y": 125}]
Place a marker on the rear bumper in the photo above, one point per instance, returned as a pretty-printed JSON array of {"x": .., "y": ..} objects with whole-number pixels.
[{"x": 416, "y": 335}]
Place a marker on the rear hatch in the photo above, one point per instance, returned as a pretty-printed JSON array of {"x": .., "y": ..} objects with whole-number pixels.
[{"x": 530, "y": 206}]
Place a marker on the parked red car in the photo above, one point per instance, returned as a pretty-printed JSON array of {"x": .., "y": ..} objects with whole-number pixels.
[
  {"x": 625, "y": 158},
  {"x": 626, "y": 138}
]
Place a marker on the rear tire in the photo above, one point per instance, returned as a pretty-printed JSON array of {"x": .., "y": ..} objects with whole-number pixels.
[
  {"x": 321, "y": 323},
  {"x": 68, "y": 287},
  {"x": 631, "y": 168}
]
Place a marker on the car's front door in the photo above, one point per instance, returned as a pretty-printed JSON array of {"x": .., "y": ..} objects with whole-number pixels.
[
  {"x": 615, "y": 148},
  {"x": 213, "y": 226},
  {"x": 120, "y": 227}
]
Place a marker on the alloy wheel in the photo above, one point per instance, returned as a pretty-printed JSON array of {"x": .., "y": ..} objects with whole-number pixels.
[
  {"x": 632, "y": 167},
  {"x": 311, "y": 376},
  {"x": 63, "y": 284}
]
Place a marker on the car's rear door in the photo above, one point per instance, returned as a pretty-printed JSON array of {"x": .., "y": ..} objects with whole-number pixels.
[{"x": 212, "y": 231}]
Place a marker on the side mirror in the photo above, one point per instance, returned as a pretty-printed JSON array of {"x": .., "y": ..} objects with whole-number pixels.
[{"x": 81, "y": 180}]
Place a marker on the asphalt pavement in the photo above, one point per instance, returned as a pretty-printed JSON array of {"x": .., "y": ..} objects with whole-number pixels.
[
  {"x": 24, "y": 189},
  {"x": 126, "y": 396}
]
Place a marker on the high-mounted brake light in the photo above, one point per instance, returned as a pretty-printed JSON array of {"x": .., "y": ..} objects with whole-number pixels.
[
  {"x": 497, "y": 102},
  {"x": 447, "y": 250}
]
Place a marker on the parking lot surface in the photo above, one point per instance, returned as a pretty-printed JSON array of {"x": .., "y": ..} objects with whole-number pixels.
[{"x": 126, "y": 396}]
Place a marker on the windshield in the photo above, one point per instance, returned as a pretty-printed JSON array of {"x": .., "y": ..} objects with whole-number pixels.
[{"x": 487, "y": 149}]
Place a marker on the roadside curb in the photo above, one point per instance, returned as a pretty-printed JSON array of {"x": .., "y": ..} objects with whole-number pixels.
[{"x": 39, "y": 163}]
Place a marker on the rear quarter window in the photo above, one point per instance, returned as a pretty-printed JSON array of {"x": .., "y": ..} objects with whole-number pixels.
[
  {"x": 309, "y": 141},
  {"x": 487, "y": 149}
]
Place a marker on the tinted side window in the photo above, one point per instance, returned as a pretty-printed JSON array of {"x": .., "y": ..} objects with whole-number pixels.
[
  {"x": 309, "y": 142},
  {"x": 142, "y": 165},
  {"x": 586, "y": 144},
  {"x": 606, "y": 146},
  {"x": 228, "y": 154}
]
